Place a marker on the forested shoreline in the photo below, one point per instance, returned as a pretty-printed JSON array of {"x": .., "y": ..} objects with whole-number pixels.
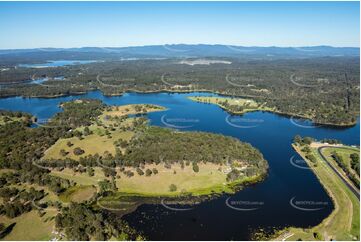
[{"x": 323, "y": 89}]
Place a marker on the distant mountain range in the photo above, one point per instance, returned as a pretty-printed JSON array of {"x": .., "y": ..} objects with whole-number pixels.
[{"x": 183, "y": 51}]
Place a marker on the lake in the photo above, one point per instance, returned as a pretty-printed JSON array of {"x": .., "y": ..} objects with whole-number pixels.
[
  {"x": 57, "y": 63},
  {"x": 265, "y": 205}
]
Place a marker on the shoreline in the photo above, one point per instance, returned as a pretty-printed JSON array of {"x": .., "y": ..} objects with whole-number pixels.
[
  {"x": 177, "y": 199},
  {"x": 269, "y": 110},
  {"x": 327, "y": 124}
]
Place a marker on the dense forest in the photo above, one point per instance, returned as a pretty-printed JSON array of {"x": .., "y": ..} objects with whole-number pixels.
[
  {"x": 21, "y": 145},
  {"x": 324, "y": 89},
  {"x": 82, "y": 222},
  {"x": 164, "y": 145}
]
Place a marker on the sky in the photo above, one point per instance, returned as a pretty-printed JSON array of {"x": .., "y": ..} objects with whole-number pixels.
[{"x": 119, "y": 24}]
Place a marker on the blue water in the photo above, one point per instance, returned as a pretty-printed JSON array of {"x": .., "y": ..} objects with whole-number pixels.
[
  {"x": 214, "y": 220},
  {"x": 57, "y": 63}
]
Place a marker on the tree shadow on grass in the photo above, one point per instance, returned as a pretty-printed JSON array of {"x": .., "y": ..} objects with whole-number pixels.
[{"x": 7, "y": 230}]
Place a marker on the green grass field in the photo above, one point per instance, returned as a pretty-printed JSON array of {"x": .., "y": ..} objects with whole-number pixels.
[
  {"x": 78, "y": 194},
  {"x": 208, "y": 179},
  {"x": 247, "y": 104},
  {"x": 30, "y": 226},
  {"x": 91, "y": 144},
  {"x": 98, "y": 142},
  {"x": 125, "y": 110},
  {"x": 344, "y": 221}
]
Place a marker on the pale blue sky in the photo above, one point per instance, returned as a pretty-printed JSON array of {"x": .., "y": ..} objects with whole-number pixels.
[{"x": 116, "y": 24}]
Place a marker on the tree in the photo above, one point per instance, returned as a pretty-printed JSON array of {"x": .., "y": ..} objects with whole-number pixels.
[
  {"x": 155, "y": 171},
  {"x": 233, "y": 175},
  {"x": 355, "y": 162},
  {"x": 312, "y": 158},
  {"x": 355, "y": 157},
  {"x": 195, "y": 167},
  {"x": 78, "y": 151},
  {"x": 107, "y": 186},
  {"x": 148, "y": 172},
  {"x": 138, "y": 108},
  {"x": 90, "y": 171},
  {"x": 140, "y": 172},
  {"x": 172, "y": 188},
  {"x": 123, "y": 143},
  {"x": 306, "y": 149},
  {"x": 63, "y": 152},
  {"x": 297, "y": 139},
  {"x": 308, "y": 140},
  {"x": 87, "y": 131},
  {"x": 108, "y": 172}
]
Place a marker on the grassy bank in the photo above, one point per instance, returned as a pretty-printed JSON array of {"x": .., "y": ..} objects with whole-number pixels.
[
  {"x": 210, "y": 179},
  {"x": 78, "y": 194}
]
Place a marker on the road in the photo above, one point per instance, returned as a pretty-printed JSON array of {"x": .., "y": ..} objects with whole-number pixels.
[{"x": 343, "y": 179}]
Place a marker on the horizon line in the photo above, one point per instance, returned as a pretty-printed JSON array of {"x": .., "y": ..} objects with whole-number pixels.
[{"x": 133, "y": 46}]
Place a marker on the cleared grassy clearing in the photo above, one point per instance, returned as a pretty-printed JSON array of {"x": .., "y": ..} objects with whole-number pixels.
[
  {"x": 209, "y": 178},
  {"x": 81, "y": 179},
  {"x": 130, "y": 109},
  {"x": 91, "y": 144},
  {"x": 232, "y": 104},
  {"x": 78, "y": 194},
  {"x": 98, "y": 142},
  {"x": 344, "y": 221},
  {"x": 30, "y": 226},
  {"x": 7, "y": 119},
  {"x": 231, "y": 101}
]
